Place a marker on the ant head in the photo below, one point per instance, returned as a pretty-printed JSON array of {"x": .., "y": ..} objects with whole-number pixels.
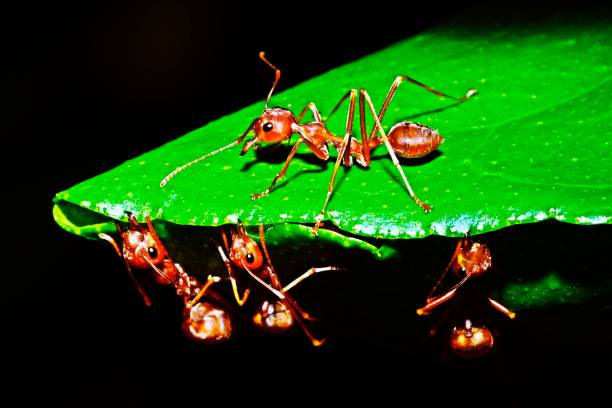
[
  {"x": 141, "y": 246},
  {"x": 244, "y": 251},
  {"x": 474, "y": 258},
  {"x": 207, "y": 323},
  {"x": 274, "y": 125},
  {"x": 273, "y": 317},
  {"x": 471, "y": 341}
]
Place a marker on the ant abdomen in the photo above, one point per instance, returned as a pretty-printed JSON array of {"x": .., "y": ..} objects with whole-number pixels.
[
  {"x": 273, "y": 317},
  {"x": 413, "y": 140},
  {"x": 471, "y": 341},
  {"x": 207, "y": 323}
]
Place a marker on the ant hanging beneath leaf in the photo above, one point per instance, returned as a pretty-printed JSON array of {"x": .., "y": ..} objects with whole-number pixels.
[
  {"x": 470, "y": 260},
  {"x": 142, "y": 249},
  {"x": 241, "y": 252},
  {"x": 275, "y": 125}
]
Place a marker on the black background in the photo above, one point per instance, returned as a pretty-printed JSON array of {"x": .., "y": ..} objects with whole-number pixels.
[{"x": 91, "y": 86}]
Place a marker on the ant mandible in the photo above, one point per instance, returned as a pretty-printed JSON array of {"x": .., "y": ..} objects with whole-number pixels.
[
  {"x": 141, "y": 248},
  {"x": 470, "y": 259},
  {"x": 275, "y": 125},
  {"x": 243, "y": 253}
]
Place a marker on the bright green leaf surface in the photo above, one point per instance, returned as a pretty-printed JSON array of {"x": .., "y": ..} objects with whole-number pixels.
[{"x": 533, "y": 145}]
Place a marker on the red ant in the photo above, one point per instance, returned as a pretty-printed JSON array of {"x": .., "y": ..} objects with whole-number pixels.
[
  {"x": 242, "y": 252},
  {"x": 470, "y": 259},
  {"x": 142, "y": 249},
  {"x": 275, "y": 125}
]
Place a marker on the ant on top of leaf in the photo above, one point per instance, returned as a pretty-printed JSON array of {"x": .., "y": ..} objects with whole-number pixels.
[{"x": 275, "y": 125}]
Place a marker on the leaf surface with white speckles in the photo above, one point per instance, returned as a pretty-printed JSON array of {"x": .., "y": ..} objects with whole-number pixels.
[{"x": 533, "y": 145}]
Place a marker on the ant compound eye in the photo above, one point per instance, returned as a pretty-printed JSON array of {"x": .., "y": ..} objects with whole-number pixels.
[
  {"x": 267, "y": 127},
  {"x": 153, "y": 252},
  {"x": 250, "y": 258}
]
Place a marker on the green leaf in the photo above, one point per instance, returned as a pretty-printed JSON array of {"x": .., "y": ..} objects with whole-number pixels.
[
  {"x": 533, "y": 145},
  {"x": 549, "y": 290}
]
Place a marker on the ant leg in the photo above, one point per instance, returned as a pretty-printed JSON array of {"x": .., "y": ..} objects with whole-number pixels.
[
  {"x": 432, "y": 303},
  {"x": 315, "y": 342},
  {"x": 282, "y": 172},
  {"x": 139, "y": 287},
  {"x": 401, "y": 78},
  {"x": 435, "y": 302},
  {"x": 365, "y": 140},
  {"x": 296, "y": 310},
  {"x": 240, "y": 300},
  {"x": 450, "y": 263},
  {"x": 364, "y": 95},
  {"x": 502, "y": 308},
  {"x": 111, "y": 241},
  {"x": 278, "y": 289},
  {"x": 344, "y": 98},
  {"x": 224, "y": 238},
  {"x": 315, "y": 113},
  {"x": 308, "y": 274},
  {"x": 341, "y": 156},
  {"x": 211, "y": 279}
]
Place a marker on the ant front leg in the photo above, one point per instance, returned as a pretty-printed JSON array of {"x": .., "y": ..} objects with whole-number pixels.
[
  {"x": 341, "y": 155},
  {"x": 282, "y": 172},
  {"x": 364, "y": 95}
]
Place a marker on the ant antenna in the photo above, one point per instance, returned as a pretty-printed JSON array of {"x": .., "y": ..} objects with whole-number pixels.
[
  {"x": 206, "y": 156},
  {"x": 262, "y": 56}
]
